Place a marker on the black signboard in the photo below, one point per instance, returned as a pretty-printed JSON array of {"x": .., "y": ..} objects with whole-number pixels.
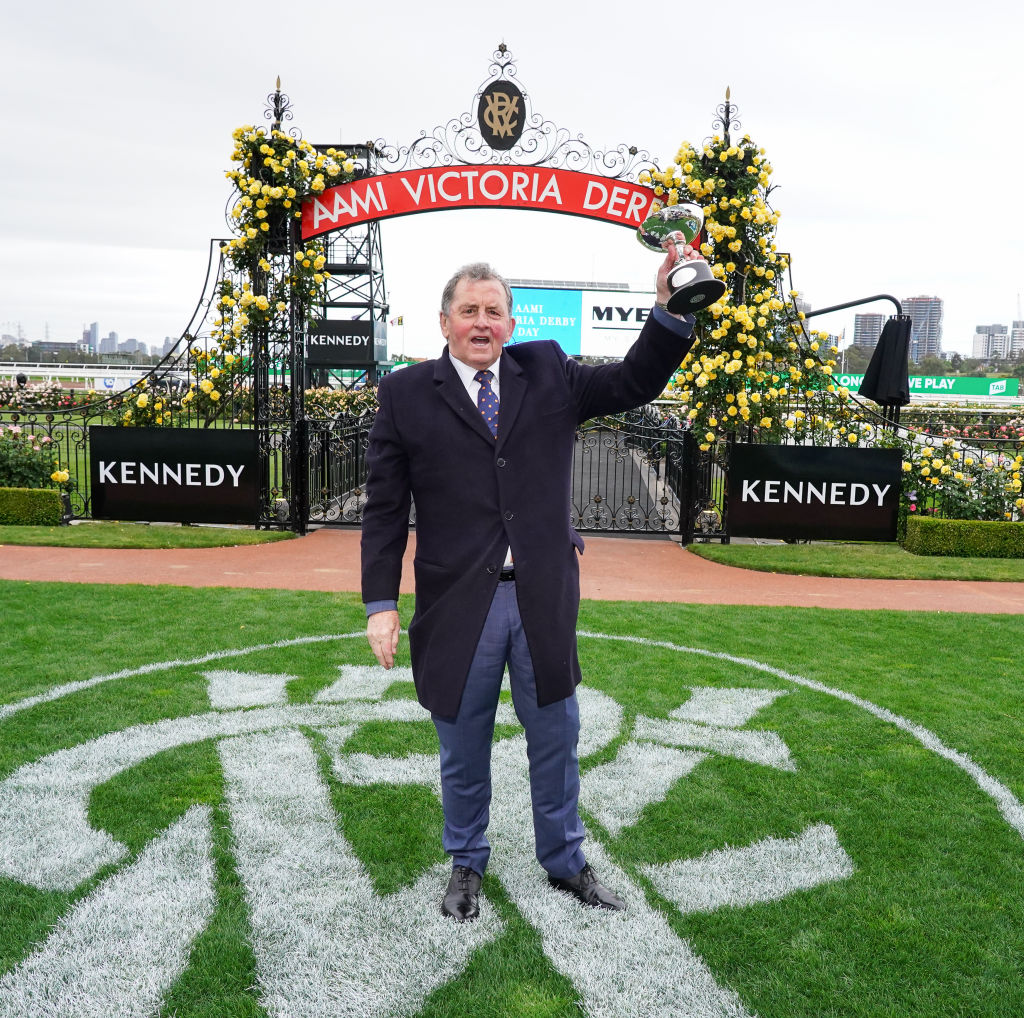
[
  {"x": 347, "y": 344},
  {"x": 803, "y": 492},
  {"x": 174, "y": 474},
  {"x": 501, "y": 115}
]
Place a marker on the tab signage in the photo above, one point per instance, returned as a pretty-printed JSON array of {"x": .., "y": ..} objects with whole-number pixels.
[
  {"x": 803, "y": 492},
  {"x": 175, "y": 474},
  {"x": 947, "y": 385},
  {"x": 453, "y": 187}
]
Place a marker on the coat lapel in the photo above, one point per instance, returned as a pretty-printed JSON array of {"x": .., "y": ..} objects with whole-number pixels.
[
  {"x": 450, "y": 388},
  {"x": 512, "y": 387}
]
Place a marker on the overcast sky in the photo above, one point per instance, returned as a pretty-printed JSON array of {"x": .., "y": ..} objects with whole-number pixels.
[{"x": 894, "y": 130}]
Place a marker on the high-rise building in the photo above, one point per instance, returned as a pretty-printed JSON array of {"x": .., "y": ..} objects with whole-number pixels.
[
  {"x": 130, "y": 345},
  {"x": 108, "y": 344},
  {"x": 926, "y": 326},
  {"x": 866, "y": 329},
  {"x": 1017, "y": 339},
  {"x": 991, "y": 342},
  {"x": 91, "y": 338}
]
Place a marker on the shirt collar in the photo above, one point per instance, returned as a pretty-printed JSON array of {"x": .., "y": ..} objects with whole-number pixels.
[{"x": 467, "y": 372}]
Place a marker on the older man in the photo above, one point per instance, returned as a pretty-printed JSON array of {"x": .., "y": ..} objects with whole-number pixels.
[{"x": 482, "y": 440}]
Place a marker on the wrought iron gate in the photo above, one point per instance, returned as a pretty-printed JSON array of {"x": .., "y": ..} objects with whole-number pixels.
[{"x": 631, "y": 473}]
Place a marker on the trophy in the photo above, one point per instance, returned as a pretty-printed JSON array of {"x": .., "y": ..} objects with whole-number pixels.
[{"x": 692, "y": 284}]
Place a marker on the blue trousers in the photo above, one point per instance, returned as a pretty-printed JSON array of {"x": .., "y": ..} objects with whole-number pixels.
[{"x": 552, "y": 733}]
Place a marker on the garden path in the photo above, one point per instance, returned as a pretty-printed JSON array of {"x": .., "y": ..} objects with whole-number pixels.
[{"x": 612, "y": 569}]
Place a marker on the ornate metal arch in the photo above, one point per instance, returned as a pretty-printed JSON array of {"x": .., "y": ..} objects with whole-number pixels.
[{"x": 540, "y": 142}]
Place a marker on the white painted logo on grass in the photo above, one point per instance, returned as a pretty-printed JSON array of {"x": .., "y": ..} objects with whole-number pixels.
[{"x": 325, "y": 942}]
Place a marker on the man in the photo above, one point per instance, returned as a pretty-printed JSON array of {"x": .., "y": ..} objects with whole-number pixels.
[{"x": 482, "y": 440}]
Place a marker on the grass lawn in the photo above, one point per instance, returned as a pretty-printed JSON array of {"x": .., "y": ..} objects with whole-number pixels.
[
  {"x": 927, "y": 921},
  {"x": 138, "y": 535},
  {"x": 869, "y": 561}
]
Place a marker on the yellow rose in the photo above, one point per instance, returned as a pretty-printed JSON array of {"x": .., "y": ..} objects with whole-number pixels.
[
  {"x": 142, "y": 400},
  {"x": 215, "y": 395}
]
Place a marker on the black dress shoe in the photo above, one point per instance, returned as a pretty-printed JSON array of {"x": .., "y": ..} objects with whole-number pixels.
[
  {"x": 462, "y": 898},
  {"x": 585, "y": 887}
]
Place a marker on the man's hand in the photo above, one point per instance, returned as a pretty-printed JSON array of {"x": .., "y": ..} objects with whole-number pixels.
[
  {"x": 690, "y": 254},
  {"x": 382, "y": 630}
]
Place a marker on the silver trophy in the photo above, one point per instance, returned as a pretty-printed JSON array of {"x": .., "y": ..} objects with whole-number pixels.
[{"x": 691, "y": 284}]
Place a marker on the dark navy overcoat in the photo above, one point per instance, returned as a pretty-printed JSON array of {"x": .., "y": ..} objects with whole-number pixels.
[{"x": 476, "y": 496}]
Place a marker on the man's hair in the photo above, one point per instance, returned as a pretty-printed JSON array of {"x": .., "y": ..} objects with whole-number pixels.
[{"x": 477, "y": 271}]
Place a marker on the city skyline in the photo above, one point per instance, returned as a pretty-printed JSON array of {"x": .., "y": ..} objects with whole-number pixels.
[
  {"x": 116, "y": 183},
  {"x": 994, "y": 341}
]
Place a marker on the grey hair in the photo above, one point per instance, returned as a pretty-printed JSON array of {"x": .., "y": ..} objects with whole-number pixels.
[{"x": 475, "y": 271}]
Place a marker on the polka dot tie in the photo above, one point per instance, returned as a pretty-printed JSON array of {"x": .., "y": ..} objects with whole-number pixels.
[{"x": 486, "y": 401}]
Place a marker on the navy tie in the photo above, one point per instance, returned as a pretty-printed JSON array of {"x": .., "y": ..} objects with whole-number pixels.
[{"x": 487, "y": 401}]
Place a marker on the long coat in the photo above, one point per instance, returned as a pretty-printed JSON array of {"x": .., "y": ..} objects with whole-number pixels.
[{"x": 476, "y": 496}]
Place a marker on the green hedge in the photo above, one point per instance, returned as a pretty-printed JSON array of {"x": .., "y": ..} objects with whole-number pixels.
[
  {"x": 964, "y": 538},
  {"x": 30, "y": 507}
]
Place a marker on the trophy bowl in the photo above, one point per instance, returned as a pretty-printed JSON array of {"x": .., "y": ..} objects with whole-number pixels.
[{"x": 692, "y": 285}]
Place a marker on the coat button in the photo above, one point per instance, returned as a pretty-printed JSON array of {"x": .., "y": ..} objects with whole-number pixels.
[
  {"x": 509, "y": 515},
  {"x": 492, "y": 569},
  {"x": 501, "y": 462}
]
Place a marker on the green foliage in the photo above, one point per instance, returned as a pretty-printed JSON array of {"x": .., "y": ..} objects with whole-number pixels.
[
  {"x": 37, "y": 507},
  {"x": 753, "y": 367},
  {"x": 975, "y": 538},
  {"x": 26, "y": 461},
  {"x": 348, "y": 402}
]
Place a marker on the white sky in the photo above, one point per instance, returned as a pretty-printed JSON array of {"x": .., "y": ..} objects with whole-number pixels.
[{"x": 893, "y": 129}]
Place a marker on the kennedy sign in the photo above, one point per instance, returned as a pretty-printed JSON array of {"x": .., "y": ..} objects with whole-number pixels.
[
  {"x": 455, "y": 187},
  {"x": 790, "y": 491},
  {"x": 175, "y": 474},
  {"x": 346, "y": 343}
]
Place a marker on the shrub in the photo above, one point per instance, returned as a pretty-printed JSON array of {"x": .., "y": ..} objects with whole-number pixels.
[
  {"x": 964, "y": 538},
  {"x": 26, "y": 461},
  {"x": 30, "y": 507}
]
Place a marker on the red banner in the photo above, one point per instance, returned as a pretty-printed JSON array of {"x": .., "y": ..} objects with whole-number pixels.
[{"x": 461, "y": 187}]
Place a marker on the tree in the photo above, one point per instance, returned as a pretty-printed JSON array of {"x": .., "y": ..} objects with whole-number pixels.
[
  {"x": 855, "y": 359},
  {"x": 956, "y": 362},
  {"x": 932, "y": 365},
  {"x": 753, "y": 366}
]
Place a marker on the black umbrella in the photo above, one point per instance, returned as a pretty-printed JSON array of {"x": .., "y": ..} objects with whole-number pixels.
[{"x": 887, "y": 379}]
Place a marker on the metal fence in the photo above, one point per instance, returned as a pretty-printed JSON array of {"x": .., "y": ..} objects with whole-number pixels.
[{"x": 630, "y": 473}]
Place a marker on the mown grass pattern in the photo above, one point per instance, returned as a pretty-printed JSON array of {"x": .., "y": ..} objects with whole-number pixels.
[{"x": 930, "y": 924}]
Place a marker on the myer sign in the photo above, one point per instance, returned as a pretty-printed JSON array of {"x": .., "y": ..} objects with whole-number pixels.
[
  {"x": 594, "y": 323},
  {"x": 788, "y": 491},
  {"x": 341, "y": 343},
  {"x": 174, "y": 474}
]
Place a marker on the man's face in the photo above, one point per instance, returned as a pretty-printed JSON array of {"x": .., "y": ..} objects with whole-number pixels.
[{"x": 478, "y": 325}]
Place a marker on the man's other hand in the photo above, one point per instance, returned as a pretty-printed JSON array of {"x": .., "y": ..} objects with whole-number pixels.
[{"x": 382, "y": 629}]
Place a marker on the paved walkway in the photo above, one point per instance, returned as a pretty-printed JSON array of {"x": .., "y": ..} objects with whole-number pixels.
[{"x": 612, "y": 569}]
